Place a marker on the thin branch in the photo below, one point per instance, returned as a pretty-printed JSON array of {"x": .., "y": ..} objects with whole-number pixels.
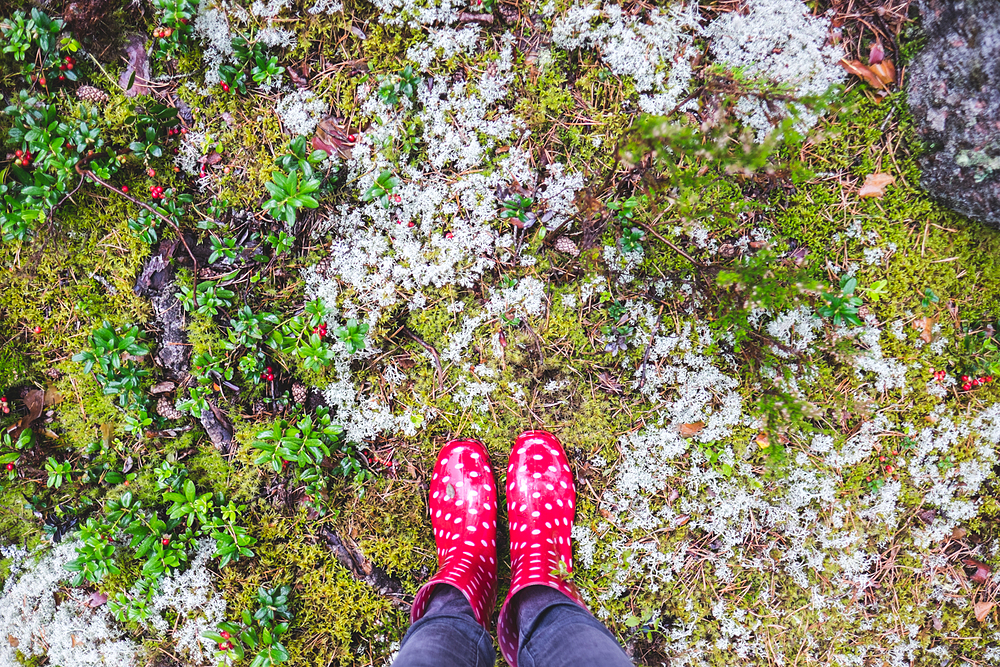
[
  {"x": 433, "y": 352},
  {"x": 92, "y": 176}
]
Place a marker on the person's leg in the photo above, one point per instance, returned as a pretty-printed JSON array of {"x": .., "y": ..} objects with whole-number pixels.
[
  {"x": 448, "y": 635},
  {"x": 554, "y": 631}
]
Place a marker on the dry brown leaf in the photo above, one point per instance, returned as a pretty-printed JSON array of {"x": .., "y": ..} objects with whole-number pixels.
[
  {"x": 876, "y": 53},
  {"x": 982, "y": 573},
  {"x": 762, "y": 440},
  {"x": 875, "y": 185},
  {"x": 333, "y": 136},
  {"x": 74, "y": 641},
  {"x": 885, "y": 71},
  {"x": 12, "y": 640},
  {"x": 857, "y": 68},
  {"x": 96, "y": 599},
  {"x": 687, "y": 430},
  {"x": 925, "y": 325},
  {"x": 982, "y": 610}
]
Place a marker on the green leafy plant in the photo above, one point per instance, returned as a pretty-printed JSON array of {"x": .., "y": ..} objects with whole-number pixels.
[
  {"x": 259, "y": 633},
  {"x": 403, "y": 84},
  {"x": 57, "y": 472},
  {"x": 206, "y": 299},
  {"x": 112, "y": 358},
  {"x": 631, "y": 239},
  {"x": 625, "y": 209},
  {"x": 517, "y": 208},
  {"x": 266, "y": 71},
  {"x": 290, "y": 192},
  {"x": 383, "y": 189},
  {"x": 353, "y": 335},
  {"x": 929, "y": 299},
  {"x": 227, "y": 248},
  {"x": 842, "y": 306},
  {"x": 95, "y": 556}
]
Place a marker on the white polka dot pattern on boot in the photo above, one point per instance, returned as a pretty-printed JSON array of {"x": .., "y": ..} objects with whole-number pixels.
[
  {"x": 463, "y": 516},
  {"x": 540, "y": 505}
]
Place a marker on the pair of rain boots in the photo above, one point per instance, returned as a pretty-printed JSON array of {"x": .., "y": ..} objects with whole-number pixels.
[{"x": 540, "y": 505}]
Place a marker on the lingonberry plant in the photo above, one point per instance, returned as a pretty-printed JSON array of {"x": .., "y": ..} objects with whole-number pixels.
[
  {"x": 353, "y": 335},
  {"x": 294, "y": 184},
  {"x": 842, "y": 305},
  {"x": 403, "y": 84},
  {"x": 383, "y": 189},
  {"x": 259, "y": 633},
  {"x": 305, "y": 442},
  {"x": 113, "y": 354}
]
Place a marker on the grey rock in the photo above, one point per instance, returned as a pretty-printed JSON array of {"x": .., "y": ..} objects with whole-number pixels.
[{"x": 954, "y": 94}]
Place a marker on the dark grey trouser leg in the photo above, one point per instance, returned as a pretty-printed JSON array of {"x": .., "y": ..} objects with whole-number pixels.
[
  {"x": 447, "y": 635},
  {"x": 556, "y": 632}
]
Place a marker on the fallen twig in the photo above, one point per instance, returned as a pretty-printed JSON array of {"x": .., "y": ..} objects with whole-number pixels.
[{"x": 434, "y": 355}]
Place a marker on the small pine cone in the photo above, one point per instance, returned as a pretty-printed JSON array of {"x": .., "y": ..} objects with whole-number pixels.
[
  {"x": 167, "y": 410},
  {"x": 91, "y": 94},
  {"x": 566, "y": 245},
  {"x": 299, "y": 393}
]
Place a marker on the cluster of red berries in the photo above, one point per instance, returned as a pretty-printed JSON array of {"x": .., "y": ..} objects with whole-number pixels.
[
  {"x": 885, "y": 463},
  {"x": 23, "y": 158},
  {"x": 974, "y": 383},
  {"x": 163, "y": 33},
  {"x": 9, "y": 467},
  {"x": 156, "y": 192},
  {"x": 4, "y": 408},
  {"x": 395, "y": 199},
  {"x": 172, "y": 131},
  {"x": 268, "y": 374},
  {"x": 224, "y": 86},
  {"x": 320, "y": 330},
  {"x": 69, "y": 64},
  {"x": 225, "y": 646}
]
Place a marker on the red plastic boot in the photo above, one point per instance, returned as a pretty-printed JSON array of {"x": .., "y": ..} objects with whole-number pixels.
[
  {"x": 540, "y": 505},
  {"x": 463, "y": 504}
]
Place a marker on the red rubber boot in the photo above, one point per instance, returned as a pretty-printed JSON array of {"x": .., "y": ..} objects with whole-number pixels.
[
  {"x": 463, "y": 504},
  {"x": 540, "y": 505}
]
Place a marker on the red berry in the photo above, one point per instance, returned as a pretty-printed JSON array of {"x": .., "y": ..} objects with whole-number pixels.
[
  {"x": 889, "y": 469},
  {"x": 124, "y": 188},
  {"x": 270, "y": 370},
  {"x": 62, "y": 67},
  {"x": 18, "y": 153},
  {"x": 165, "y": 541},
  {"x": 270, "y": 377},
  {"x": 966, "y": 387},
  {"x": 69, "y": 59},
  {"x": 222, "y": 646},
  {"x": 151, "y": 172},
  {"x": 868, "y": 478},
  {"x": 37, "y": 330},
  {"x": 351, "y": 138},
  {"x": 42, "y": 81},
  {"x": 895, "y": 452},
  {"x": 449, "y": 235},
  {"x": 965, "y": 378},
  {"x": 989, "y": 378},
  {"x": 9, "y": 467},
  {"x": 881, "y": 458},
  {"x": 225, "y": 86},
  {"x": 62, "y": 78},
  {"x": 410, "y": 223},
  {"x": 975, "y": 383},
  {"x": 185, "y": 22},
  {"x": 69, "y": 65},
  {"x": 224, "y": 634}
]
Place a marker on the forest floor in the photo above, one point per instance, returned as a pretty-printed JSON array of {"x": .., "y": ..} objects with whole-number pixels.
[{"x": 242, "y": 311}]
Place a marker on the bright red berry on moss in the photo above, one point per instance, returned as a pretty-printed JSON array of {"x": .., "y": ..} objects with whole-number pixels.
[
  {"x": 966, "y": 387},
  {"x": 37, "y": 330},
  {"x": 9, "y": 467}
]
